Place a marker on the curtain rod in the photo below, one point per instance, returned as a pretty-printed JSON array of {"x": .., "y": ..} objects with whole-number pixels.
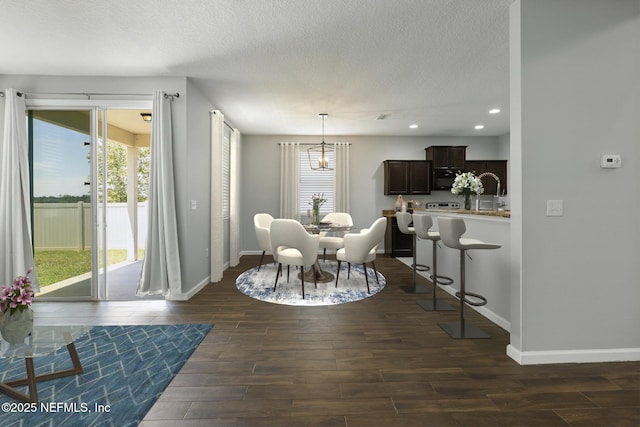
[
  {"x": 314, "y": 143},
  {"x": 227, "y": 124},
  {"x": 90, "y": 94}
]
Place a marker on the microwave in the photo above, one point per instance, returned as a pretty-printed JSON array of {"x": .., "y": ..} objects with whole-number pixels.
[{"x": 443, "y": 179}]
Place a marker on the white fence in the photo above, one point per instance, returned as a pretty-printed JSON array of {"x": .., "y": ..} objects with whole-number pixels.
[{"x": 68, "y": 226}]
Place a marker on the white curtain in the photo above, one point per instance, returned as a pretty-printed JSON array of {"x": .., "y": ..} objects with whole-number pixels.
[
  {"x": 217, "y": 200},
  {"x": 161, "y": 264},
  {"x": 289, "y": 180},
  {"x": 234, "y": 199},
  {"x": 341, "y": 193},
  {"x": 16, "y": 250}
]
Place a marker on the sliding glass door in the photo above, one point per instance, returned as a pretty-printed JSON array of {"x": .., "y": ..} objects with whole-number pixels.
[
  {"x": 89, "y": 170},
  {"x": 62, "y": 201}
]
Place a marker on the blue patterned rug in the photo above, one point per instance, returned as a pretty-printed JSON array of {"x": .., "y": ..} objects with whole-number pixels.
[
  {"x": 125, "y": 367},
  {"x": 259, "y": 285}
]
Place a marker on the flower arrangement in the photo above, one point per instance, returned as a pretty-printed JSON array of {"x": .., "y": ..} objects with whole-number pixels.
[
  {"x": 17, "y": 296},
  {"x": 466, "y": 183},
  {"x": 317, "y": 200}
]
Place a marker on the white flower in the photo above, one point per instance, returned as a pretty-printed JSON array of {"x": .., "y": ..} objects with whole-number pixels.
[{"x": 467, "y": 183}]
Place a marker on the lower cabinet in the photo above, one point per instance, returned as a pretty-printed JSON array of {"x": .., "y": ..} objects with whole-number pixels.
[{"x": 396, "y": 243}]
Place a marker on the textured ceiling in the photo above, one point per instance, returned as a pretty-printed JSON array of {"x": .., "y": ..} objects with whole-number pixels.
[{"x": 272, "y": 65}]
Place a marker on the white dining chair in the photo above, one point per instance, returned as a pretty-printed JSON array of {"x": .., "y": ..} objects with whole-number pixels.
[
  {"x": 291, "y": 244},
  {"x": 262, "y": 223},
  {"x": 327, "y": 239},
  {"x": 360, "y": 248}
]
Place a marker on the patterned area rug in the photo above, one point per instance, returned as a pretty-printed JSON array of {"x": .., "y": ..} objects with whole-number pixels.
[
  {"x": 259, "y": 285},
  {"x": 125, "y": 367}
]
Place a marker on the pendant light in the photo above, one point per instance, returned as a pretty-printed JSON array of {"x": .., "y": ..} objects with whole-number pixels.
[{"x": 318, "y": 159}]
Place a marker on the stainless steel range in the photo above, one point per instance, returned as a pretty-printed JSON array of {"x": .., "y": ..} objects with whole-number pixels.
[{"x": 443, "y": 205}]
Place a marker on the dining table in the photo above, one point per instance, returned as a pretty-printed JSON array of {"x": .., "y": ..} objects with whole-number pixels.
[{"x": 316, "y": 273}]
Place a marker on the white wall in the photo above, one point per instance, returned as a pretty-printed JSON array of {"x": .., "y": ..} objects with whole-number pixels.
[
  {"x": 261, "y": 172},
  {"x": 575, "y": 96},
  {"x": 191, "y": 133}
]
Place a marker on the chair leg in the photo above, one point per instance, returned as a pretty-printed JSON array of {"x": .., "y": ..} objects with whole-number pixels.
[
  {"x": 261, "y": 258},
  {"x": 302, "y": 280},
  {"x": 366, "y": 277},
  {"x": 338, "y": 272},
  {"x": 348, "y": 270},
  {"x": 277, "y": 275},
  {"x": 375, "y": 271},
  {"x": 324, "y": 256},
  {"x": 288, "y": 273}
]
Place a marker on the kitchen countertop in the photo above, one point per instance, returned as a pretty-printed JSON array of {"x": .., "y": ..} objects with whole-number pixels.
[{"x": 501, "y": 214}]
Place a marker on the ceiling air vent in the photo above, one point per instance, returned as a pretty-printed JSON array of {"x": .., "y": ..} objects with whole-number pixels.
[{"x": 382, "y": 116}]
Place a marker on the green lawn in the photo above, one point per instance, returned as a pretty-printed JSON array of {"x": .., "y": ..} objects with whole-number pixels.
[{"x": 55, "y": 266}]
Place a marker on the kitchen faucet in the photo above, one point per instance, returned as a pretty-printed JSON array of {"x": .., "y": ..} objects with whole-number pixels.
[{"x": 494, "y": 176}]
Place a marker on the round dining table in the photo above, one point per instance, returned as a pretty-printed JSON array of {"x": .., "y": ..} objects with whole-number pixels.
[{"x": 316, "y": 270}]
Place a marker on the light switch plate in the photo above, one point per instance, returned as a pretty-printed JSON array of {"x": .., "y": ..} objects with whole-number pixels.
[{"x": 555, "y": 208}]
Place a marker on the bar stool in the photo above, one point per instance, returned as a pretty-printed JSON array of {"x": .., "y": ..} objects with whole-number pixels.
[
  {"x": 422, "y": 224},
  {"x": 451, "y": 231},
  {"x": 404, "y": 220}
]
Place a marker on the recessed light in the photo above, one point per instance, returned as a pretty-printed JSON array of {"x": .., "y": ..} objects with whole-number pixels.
[
  {"x": 494, "y": 111},
  {"x": 478, "y": 127},
  {"x": 413, "y": 126}
]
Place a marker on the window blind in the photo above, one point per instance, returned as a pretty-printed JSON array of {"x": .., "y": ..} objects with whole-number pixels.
[{"x": 315, "y": 181}]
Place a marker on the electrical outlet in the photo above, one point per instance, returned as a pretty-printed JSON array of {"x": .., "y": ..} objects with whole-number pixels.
[
  {"x": 206, "y": 252},
  {"x": 194, "y": 205}
]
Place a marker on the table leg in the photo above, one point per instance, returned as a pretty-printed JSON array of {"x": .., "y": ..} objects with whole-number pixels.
[
  {"x": 321, "y": 276},
  {"x": 31, "y": 380}
]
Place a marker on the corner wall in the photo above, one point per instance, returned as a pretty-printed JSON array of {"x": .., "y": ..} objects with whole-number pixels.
[{"x": 575, "y": 96}]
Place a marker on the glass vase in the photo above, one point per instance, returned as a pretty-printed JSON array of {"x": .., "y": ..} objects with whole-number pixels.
[
  {"x": 16, "y": 326},
  {"x": 315, "y": 215},
  {"x": 467, "y": 202}
]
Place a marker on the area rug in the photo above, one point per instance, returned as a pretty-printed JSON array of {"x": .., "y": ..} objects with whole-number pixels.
[
  {"x": 126, "y": 368},
  {"x": 259, "y": 285}
]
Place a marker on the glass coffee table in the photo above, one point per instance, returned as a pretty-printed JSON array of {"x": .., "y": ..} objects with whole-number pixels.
[{"x": 43, "y": 342}]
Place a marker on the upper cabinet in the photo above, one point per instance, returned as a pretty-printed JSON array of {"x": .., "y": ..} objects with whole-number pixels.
[
  {"x": 407, "y": 177},
  {"x": 447, "y": 157},
  {"x": 497, "y": 167}
]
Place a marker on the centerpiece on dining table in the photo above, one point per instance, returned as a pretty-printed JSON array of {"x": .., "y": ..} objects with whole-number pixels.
[
  {"x": 317, "y": 200},
  {"x": 466, "y": 183}
]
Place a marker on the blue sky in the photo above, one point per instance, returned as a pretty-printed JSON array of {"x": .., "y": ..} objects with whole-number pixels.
[{"x": 60, "y": 160}]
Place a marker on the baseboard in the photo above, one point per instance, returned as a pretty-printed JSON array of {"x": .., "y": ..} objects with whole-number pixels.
[
  {"x": 187, "y": 296},
  {"x": 573, "y": 356}
]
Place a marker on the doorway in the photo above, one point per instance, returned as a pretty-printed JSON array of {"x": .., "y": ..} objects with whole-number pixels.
[{"x": 89, "y": 175}]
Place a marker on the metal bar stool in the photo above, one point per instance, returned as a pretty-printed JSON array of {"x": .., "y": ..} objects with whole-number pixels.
[
  {"x": 451, "y": 231},
  {"x": 422, "y": 224},
  {"x": 404, "y": 224}
]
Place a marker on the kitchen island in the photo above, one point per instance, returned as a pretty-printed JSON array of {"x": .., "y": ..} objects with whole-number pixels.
[{"x": 487, "y": 272}]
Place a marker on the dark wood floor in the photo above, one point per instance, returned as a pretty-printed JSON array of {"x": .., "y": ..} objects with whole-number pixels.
[{"x": 378, "y": 362}]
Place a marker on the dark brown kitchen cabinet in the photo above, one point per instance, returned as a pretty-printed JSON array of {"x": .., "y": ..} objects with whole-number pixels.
[
  {"x": 447, "y": 156},
  {"x": 407, "y": 177},
  {"x": 396, "y": 243},
  {"x": 497, "y": 167}
]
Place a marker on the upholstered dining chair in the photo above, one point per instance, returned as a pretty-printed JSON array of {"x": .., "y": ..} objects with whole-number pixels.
[
  {"x": 360, "y": 248},
  {"x": 291, "y": 244},
  {"x": 334, "y": 242},
  {"x": 262, "y": 223}
]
